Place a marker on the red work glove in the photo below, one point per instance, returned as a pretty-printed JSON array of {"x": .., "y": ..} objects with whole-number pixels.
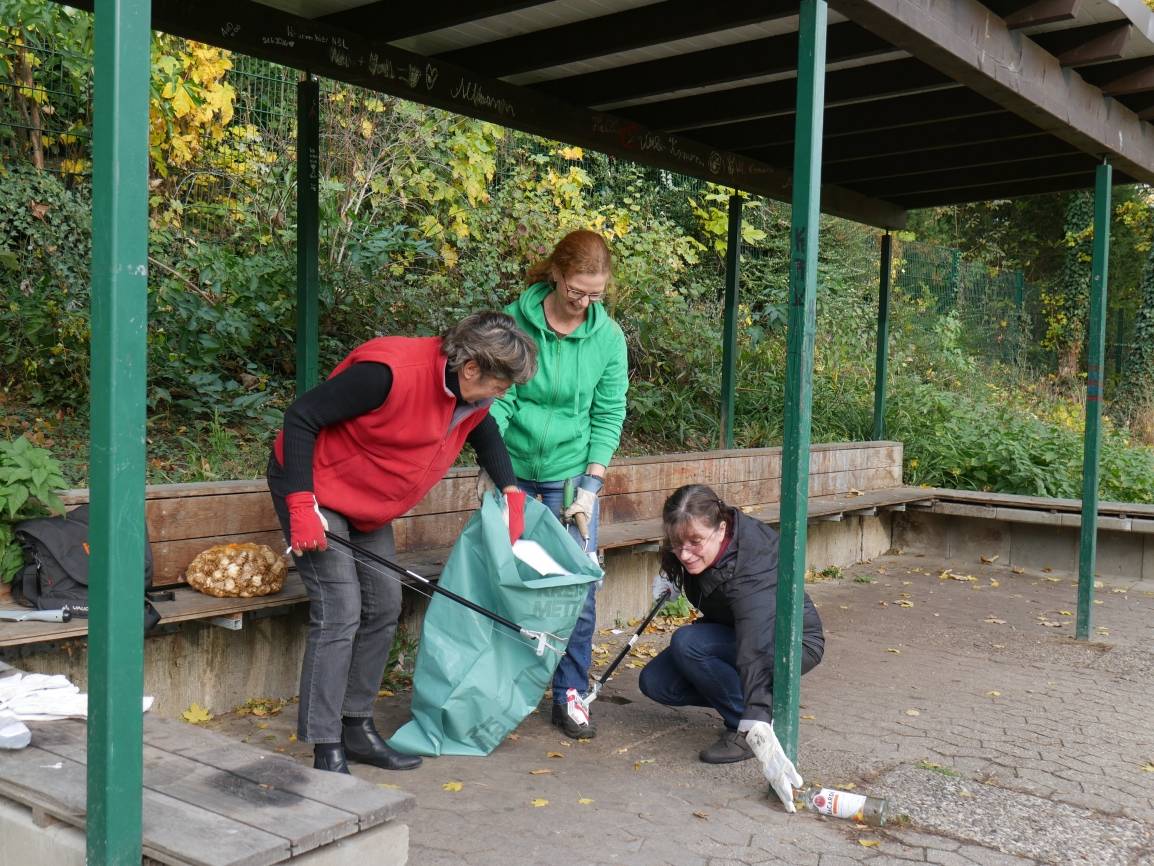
[
  {"x": 515, "y": 503},
  {"x": 306, "y": 523}
]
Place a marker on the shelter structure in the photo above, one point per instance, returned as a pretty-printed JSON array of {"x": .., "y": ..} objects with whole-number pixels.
[{"x": 864, "y": 110}]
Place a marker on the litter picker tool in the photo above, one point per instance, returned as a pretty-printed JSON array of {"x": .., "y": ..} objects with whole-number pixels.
[
  {"x": 568, "y": 494},
  {"x": 578, "y": 708},
  {"x": 61, "y": 615},
  {"x": 540, "y": 638}
]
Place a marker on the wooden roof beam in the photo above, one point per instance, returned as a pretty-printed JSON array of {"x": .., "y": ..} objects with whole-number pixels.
[
  {"x": 619, "y": 31},
  {"x": 957, "y": 178},
  {"x": 1083, "y": 46},
  {"x": 966, "y": 41},
  {"x": 992, "y": 192},
  {"x": 857, "y": 83},
  {"x": 970, "y": 155},
  {"x": 387, "y": 20},
  {"x": 270, "y": 34},
  {"x": 852, "y": 119},
  {"x": 768, "y": 56},
  {"x": 1043, "y": 12},
  {"x": 915, "y": 139}
]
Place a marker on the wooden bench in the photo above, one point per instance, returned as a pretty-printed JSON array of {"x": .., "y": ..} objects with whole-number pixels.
[
  {"x": 183, "y": 519},
  {"x": 207, "y": 800}
]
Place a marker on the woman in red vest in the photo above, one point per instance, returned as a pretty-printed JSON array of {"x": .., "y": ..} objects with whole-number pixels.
[{"x": 356, "y": 452}]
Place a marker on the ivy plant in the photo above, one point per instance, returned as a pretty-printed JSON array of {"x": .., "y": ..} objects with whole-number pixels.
[{"x": 29, "y": 479}]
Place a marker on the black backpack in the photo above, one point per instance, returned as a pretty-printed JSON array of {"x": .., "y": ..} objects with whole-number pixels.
[{"x": 55, "y": 572}]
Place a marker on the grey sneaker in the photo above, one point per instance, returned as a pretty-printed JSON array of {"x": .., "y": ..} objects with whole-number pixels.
[{"x": 730, "y": 748}]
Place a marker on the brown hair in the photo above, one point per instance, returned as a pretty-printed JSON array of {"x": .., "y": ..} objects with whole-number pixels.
[
  {"x": 579, "y": 252},
  {"x": 494, "y": 341},
  {"x": 693, "y": 501}
]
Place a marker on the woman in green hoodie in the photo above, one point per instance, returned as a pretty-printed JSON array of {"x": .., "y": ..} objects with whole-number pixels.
[{"x": 563, "y": 425}]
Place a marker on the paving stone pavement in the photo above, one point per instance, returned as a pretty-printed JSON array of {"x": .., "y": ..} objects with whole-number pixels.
[{"x": 995, "y": 737}]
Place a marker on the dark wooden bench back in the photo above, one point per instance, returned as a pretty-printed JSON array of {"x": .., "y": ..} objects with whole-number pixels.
[{"x": 184, "y": 519}]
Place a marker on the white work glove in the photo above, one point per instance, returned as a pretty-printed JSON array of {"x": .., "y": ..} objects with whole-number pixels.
[
  {"x": 775, "y": 764},
  {"x": 662, "y": 583},
  {"x": 584, "y": 501},
  {"x": 485, "y": 486}
]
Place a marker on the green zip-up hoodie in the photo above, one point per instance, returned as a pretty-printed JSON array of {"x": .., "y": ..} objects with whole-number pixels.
[{"x": 570, "y": 413}]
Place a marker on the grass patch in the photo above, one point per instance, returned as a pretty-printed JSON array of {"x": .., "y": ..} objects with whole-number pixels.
[{"x": 937, "y": 768}]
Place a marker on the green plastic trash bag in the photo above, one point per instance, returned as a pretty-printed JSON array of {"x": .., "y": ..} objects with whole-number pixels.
[{"x": 475, "y": 680}]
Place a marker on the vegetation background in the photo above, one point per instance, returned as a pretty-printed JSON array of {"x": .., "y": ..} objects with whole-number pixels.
[{"x": 427, "y": 216}]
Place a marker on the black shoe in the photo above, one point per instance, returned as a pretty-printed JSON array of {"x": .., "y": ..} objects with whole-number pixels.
[
  {"x": 363, "y": 744},
  {"x": 571, "y": 728},
  {"x": 730, "y": 748},
  {"x": 331, "y": 757}
]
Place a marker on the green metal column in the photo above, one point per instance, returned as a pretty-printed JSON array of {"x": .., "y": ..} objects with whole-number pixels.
[
  {"x": 119, "y": 355},
  {"x": 883, "y": 342},
  {"x": 1095, "y": 376},
  {"x": 805, "y": 224},
  {"x": 308, "y": 228},
  {"x": 729, "y": 329}
]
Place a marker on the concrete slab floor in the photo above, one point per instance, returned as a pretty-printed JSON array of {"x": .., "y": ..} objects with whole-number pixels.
[{"x": 931, "y": 685}]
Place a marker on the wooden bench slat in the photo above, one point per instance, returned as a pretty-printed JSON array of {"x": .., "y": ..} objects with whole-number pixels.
[
  {"x": 171, "y": 829},
  {"x": 306, "y": 824}
]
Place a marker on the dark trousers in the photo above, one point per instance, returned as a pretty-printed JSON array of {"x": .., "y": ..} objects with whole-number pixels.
[{"x": 699, "y": 669}]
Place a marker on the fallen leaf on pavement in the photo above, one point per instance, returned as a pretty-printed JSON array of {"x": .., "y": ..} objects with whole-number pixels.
[
  {"x": 704, "y": 816},
  {"x": 584, "y": 801},
  {"x": 541, "y": 771},
  {"x": 993, "y": 694},
  {"x": 894, "y": 650},
  {"x": 965, "y": 793},
  {"x": 1017, "y": 569},
  {"x": 1148, "y": 767},
  {"x": 637, "y": 764},
  {"x": 809, "y": 718},
  {"x": 386, "y": 785},
  {"x": 994, "y": 583},
  {"x": 554, "y": 755},
  {"x": 913, "y": 712},
  {"x": 196, "y": 715},
  {"x": 994, "y": 620},
  {"x": 452, "y": 787},
  {"x": 513, "y": 737},
  {"x": 1066, "y": 612},
  {"x": 989, "y": 559},
  {"x": 868, "y": 843},
  {"x": 539, "y": 802},
  {"x": 622, "y": 750},
  {"x": 904, "y": 602}
]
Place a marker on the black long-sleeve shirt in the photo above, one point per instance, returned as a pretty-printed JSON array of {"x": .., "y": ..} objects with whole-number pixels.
[{"x": 359, "y": 389}]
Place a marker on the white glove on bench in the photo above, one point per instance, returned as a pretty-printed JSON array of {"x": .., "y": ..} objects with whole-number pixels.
[{"x": 775, "y": 764}]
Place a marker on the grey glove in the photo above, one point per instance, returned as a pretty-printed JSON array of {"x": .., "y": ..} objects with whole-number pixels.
[{"x": 662, "y": 583}]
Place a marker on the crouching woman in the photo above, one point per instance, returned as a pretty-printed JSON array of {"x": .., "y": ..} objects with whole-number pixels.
[{"x": 726, "y": 564}]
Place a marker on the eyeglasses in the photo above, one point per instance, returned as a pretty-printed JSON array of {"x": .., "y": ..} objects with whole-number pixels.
[
  {"x": 694, "y": 546},
  {"x": 574, "y": 295}
]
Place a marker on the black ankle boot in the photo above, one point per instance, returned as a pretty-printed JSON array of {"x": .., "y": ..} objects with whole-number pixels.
[
  {"x": 362, "y": 743},
  {"x": 331, "y": 757}
]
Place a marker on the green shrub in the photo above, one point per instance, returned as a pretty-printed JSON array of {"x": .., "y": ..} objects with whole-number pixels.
[{"x": 29, "y": 479}]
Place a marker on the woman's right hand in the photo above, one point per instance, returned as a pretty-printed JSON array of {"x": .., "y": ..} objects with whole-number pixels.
[
  {"x": 307, "y": 525},
  {"x": 661, "y": 583}
]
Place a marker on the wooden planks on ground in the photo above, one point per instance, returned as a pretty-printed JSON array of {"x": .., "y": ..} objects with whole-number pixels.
[{"x": 208, "y": 801}]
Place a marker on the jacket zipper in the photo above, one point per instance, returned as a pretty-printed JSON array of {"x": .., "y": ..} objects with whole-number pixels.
[{"x": 549, "y": 417}]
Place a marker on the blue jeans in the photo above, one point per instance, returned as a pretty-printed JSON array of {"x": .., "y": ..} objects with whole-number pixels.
[
  {"x": 699, "y": 669},
  {"x": 573, "y": 670}
]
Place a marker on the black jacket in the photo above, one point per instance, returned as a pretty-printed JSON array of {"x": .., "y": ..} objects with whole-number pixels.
[{"x": 740, "y": 590}]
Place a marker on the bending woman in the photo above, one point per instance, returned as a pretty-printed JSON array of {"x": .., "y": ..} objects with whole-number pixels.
[
  {"x": 357, "y": 451},
  {"x": 726, "y": 563}
]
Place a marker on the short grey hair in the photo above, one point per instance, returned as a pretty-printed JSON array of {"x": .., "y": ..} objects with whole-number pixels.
[{"x": 494, "y": 341}]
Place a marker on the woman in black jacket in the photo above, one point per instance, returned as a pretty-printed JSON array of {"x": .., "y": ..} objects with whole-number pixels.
[{"x": 726, "y": 563}]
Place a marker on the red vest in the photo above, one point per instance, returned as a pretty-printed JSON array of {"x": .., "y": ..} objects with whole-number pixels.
[{"x": 375, "y": 467}]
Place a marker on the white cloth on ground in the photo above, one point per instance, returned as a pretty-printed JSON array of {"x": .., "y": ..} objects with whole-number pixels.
[{"x": 44, "y": 697}]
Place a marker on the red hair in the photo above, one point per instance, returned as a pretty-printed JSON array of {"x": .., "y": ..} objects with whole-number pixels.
[{"x": 579, "y": 252}]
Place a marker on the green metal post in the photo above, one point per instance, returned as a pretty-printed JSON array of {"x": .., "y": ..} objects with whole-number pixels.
[
  {"x": 1095, "y": 374},
  {"x": 308, "y": 228},
  {"x": 883, "y": 341},
  {"x": 805, "y": 224},
  {"x": 116, "y": 475},
  {"x": 729, "y": 329}
]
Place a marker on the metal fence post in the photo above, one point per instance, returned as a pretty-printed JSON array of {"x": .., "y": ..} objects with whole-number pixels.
[
  {"x": 1095, "y": 361},
  {"x": 729, "y": 329},
  {"x": 883, "y": 338},
  {"x": 119, "y": 352},
  {"x": 308, "y": 232},
  {"x": 805, "y": 225}
]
